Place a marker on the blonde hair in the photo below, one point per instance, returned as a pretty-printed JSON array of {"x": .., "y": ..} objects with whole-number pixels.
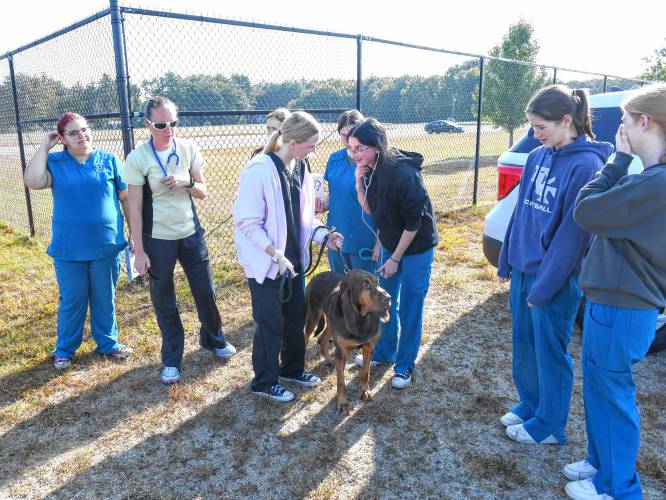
[
  {"x": 650, "y": 101},
  {"x": 299, "y": 127}
]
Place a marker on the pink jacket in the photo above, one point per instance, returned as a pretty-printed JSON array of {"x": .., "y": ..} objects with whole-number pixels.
[{"x": 260, "y": 220}]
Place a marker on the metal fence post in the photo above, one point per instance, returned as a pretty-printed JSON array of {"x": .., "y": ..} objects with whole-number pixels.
[
  {"x": 479, "y": 117},
  {"x": 554, "y": 75},
  {"x": 605, "y": 82},
  {"x": 359, "y": 73},
  {"x": 121, "y": 76},
  {"x": 19, "y": 133}
]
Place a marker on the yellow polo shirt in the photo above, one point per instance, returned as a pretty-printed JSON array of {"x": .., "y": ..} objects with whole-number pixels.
[{"x": 166, "y": 216}]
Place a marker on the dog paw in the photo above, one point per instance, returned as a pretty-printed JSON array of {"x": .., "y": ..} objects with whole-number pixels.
[
  {"x": 343, "y": 407},
  {"x": 365, "y": 395}
]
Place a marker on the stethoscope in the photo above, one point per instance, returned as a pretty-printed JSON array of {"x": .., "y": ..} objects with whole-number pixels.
[{"x": 174, "y": 153}]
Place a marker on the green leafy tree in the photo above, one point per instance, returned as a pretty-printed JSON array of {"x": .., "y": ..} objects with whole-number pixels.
[
  {"x": 656, "y": 65},
  {"x": 509, "y": 86}
]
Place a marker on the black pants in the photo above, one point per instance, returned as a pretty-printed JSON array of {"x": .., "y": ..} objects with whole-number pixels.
[
  {"x": 279, "y": 331},
  {"x": 192, "y": 254}
]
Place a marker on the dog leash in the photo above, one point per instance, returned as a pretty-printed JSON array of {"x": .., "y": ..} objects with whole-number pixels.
[
  {"x": 311, "y": 269},
  {"x": 286, "y": 285}
]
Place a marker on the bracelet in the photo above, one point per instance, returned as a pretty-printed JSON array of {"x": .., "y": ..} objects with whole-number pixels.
[{"x": 396, "y": 261}]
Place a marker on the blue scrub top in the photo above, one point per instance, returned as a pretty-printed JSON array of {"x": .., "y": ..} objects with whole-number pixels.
[
  {"x": 344, "y": 209},
  {"x": 87, "y": 222}
]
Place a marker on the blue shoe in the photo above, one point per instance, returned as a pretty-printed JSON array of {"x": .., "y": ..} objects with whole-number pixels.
[
  {"x": 306, "y": 379},
  {"x": 225, "y": 352},
  {"x": 275, "y": 392}
]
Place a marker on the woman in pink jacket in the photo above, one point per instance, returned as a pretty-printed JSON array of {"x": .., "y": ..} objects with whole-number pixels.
[{"x": 274, "y": 219}]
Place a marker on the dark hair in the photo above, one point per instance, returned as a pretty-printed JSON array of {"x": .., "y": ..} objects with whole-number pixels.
[
  {"x": 372, "y": 133},
  {"x": 65, "y": 119},
  {"x": 349, "y": 117},
  {"x": 157, "y": 102},
  {"x": 552, "y": 103}
]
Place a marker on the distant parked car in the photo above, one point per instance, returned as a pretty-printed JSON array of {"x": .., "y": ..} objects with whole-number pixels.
[
  {"x": 443, "y": 126},
  {"x": 606, "y": 115}
]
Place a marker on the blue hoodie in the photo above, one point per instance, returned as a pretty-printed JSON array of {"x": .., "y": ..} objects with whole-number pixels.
[{"x": 542, "y": 238}]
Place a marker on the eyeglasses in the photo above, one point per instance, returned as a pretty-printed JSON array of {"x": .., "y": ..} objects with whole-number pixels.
[
  {"x": 358, "y": 149},
  {"x": 75, "y": 133},
  {"x": 163, "y": 125}
]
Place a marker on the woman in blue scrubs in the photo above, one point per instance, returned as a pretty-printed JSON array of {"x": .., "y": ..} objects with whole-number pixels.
[
  {"x": 624, "y": 280},
  {"x": 87, "y": 234},
  {"x": 345, "y": 214}
]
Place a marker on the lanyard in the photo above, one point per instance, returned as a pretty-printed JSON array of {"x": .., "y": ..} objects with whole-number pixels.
[{"x": 173, "y": 153}]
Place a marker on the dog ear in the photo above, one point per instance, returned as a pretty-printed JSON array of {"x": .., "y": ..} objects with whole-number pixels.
[{"x": 350, "y": 311}]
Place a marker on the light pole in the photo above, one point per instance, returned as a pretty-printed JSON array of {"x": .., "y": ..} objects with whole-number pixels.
[{"x": 453, "y": 109}]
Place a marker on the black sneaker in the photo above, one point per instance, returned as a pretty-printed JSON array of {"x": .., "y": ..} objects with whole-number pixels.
[
  {"x": 306, "y": 379},
  {"x": 275, "y": 392}
]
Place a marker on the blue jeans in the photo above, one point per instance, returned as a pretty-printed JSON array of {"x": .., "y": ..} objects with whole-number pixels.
[
  {"x": 337, "y": 260},
  {"x": 83, "y": 283},
  {"x": 614, "y": 340},
  {"x": 542, "y": 366},
  {"x": 400, "y": 338}
]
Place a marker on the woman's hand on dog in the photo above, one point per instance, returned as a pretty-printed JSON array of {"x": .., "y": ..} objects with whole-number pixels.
[{"x": 335, "y": 241}]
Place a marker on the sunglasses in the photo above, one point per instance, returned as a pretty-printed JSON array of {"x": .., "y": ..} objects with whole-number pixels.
[{"x": 163, "y": 125}]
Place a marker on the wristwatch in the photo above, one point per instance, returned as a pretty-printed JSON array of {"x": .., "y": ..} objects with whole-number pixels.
[{"x": 191, "y": 182}]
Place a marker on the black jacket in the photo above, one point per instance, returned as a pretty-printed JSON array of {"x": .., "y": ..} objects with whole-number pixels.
[{"x": 399, "y": 201}]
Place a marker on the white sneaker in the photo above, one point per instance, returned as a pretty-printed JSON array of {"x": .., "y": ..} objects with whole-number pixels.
[
  {"x": 579, "y": 470},
  {"x": 170, "y": 375},
  {"x": 510, "y": 418},
  {"x": 225, "y": 352},
  {"x": 401, "y": 380},
  {"x": 584, "y": 490},
  {"x": 518, "y": 433},
  {"x": 359, "y": 361}
]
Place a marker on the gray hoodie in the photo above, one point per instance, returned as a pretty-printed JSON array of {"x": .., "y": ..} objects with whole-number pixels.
[{"x": 626, "y": 264}]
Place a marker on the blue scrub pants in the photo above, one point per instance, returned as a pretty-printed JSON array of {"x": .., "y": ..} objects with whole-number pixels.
[
  {"x": 614, "y": 340},
  {"x": 337, "y": 260},
  {"x": 400, "y": 338},
  {"x": 542, "y": 366},
  {"x": 83, "y": 283}
]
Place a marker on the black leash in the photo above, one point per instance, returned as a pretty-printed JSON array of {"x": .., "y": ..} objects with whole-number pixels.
[
  {"x": 286, "y": 285},
  {"x": 311, "y": 269}
]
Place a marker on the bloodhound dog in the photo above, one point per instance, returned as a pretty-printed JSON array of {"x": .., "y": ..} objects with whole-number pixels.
[{"x": 349, "y": 309}]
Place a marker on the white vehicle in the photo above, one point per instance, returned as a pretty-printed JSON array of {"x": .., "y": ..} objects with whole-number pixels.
[{"x": 606, "y": 116}]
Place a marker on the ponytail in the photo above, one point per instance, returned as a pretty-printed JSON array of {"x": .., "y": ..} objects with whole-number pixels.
[
  {"x": 552, "y": 103},
  {"x": 274, "y": 143},
  {"x": 582, "y": 117}
]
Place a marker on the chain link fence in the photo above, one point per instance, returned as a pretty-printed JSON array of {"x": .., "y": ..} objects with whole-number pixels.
[{"x": 226, "y": 75}]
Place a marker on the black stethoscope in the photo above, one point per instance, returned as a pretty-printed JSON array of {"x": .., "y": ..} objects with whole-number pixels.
[{"x": 174, "y": 153}]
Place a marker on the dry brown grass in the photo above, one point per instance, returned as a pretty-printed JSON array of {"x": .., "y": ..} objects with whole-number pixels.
[{"x": 111, "y": 429}]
